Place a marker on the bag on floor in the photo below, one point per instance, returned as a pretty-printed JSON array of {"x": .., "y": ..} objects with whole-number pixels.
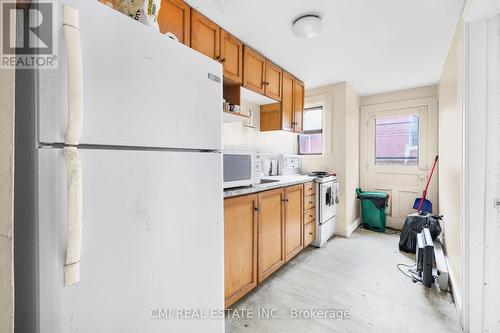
[{"x": 414, "y": 224}]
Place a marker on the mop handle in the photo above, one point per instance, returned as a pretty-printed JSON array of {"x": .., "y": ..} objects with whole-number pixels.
[{"x": 427, "y": 185}]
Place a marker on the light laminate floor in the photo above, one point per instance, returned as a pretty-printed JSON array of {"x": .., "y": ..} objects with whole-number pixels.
[{"x": 357, "y": 275}]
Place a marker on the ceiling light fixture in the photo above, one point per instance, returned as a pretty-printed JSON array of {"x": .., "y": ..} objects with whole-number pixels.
[{"x": 307, "y": 26}]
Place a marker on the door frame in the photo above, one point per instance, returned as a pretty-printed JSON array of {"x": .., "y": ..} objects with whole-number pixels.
[
  {"x": 479, "y": 216},
  {"x": 431, "y": 103}
]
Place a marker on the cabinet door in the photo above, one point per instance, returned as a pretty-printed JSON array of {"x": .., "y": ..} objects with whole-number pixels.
[
  {"x": 231, "y": 54},
  {"x": 271, "y": 232},
  {"x": 287, "y": 102},
  {"x": 270, "y": 117},
  {"x": 175, "y": 17},
  {"x": 254, "y": 66},
  {"x": 205, "y": 35},
  {"x": 293, "y": 220},
  {"x": 240, "y": 247},
  {"x": 274, "y": 77},
  {"x": 298, "y": 105}
]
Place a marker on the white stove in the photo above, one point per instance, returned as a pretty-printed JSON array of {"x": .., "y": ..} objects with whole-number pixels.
[
  {"x": 325, "y": 179},
  {"x": 327, "y": 198}
]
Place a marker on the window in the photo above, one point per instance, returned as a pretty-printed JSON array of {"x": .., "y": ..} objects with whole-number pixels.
[
  {"x": 311, "y": 141},
  {"x": 396, "y": 140}
]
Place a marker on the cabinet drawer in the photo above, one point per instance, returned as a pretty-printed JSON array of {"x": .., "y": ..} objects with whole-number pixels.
[
  {"x": 309, "y": 215},
  {"x": 309, "y": 188},
  {"x": 309, "y": 233},
  {"x": 309, "y": 202}
]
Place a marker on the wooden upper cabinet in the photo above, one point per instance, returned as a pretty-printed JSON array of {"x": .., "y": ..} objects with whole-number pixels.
[
  {"x": 274, "y": 77},
  {"x": 254, "y": 67},
  {"x": 175, "y": 17},
  {"x": 271, "y": 240},
  {"x": 288, "y": 114},
  {"x": 287, "y": 102},
  {"x": 205, "y": 35},
  {"x": 294, "y": 214},
  {"x": 270, "y": 117},
  {"x": 231, "y": 57},
  {"x": 298, "y": 105},
  {"x": 240, "y": 247}
]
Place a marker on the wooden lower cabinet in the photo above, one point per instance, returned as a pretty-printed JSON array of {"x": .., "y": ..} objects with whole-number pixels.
[
  {"x": 309, "y": 202},
  {"x": 271, "y": 233},
  {"x": 309, "y": 233},
  {"x": 309, "y": 213},
  {"x": 240, "y": 247},
  {"x": 261, "y": 233},
  {"x": 294, "y": 213}
]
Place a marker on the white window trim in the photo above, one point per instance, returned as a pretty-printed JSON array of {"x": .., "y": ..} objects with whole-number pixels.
[{"x": 324, "y": 101}]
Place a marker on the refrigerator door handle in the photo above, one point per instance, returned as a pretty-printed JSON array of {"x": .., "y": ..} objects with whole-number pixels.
[
  {"x": 71, "y": 26},
  {"x": 74, "y": 227}
]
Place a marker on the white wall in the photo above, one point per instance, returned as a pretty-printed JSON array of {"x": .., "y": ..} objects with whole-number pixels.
[
  {"x": 352, "y": 142},
  {"x": 341, "y": 150},
  {"x": 450, "y": 161},
  {"x": 6, "y": 199}
]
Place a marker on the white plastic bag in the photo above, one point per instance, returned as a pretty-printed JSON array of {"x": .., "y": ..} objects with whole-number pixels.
[{"x": 145, "y": 11}]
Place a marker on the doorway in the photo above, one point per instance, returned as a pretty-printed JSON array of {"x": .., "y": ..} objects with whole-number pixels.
[{"x": 398, "y": 146}]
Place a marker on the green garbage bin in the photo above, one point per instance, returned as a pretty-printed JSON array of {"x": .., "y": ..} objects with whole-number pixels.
[{"x": 373, "y": 205}]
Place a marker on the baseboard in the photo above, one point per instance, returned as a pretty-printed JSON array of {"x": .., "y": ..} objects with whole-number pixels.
[
  {"x": 455, "y": 291},
  {"x": 353, "y": 226}
]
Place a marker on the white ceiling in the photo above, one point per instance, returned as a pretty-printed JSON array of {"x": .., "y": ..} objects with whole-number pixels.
[{"x": 375, "y": 45}]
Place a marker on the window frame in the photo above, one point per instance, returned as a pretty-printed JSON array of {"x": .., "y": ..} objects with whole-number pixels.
[
  {"x": 317, "y": 131},
  {"x": 406, "y": 159}
]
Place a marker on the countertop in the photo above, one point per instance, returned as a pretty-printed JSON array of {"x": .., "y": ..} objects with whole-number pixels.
[{"x": 269, "y": 183}]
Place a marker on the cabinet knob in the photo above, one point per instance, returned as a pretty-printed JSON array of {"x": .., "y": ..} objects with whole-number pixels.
[
  {"x": 310, "y": 233},
  {"x": 256, "y": 209},
  {"x": 222, "y": 60},
  {"x": 217, "y": 58}
]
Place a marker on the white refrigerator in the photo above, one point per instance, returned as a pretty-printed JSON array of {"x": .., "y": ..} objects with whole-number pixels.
[{"x": 119, "y": 202}]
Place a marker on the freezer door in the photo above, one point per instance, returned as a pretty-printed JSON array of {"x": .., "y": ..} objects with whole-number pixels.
[
  {"x": 140, "y": 88},
  {"x": 152, "y": 242}
]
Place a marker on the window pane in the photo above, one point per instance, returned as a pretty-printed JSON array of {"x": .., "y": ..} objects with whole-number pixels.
[
  {"x": 313, "y": 119},
  {"x": 396, "y": 140},
  {"x": 311, "y": 144}
]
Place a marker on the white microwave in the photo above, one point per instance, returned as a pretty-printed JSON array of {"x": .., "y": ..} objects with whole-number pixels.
[{"x": 241, "y": 168}]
